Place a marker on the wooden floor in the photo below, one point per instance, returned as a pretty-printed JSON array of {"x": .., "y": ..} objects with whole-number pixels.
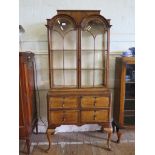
[{"x": 81, "y": 143}]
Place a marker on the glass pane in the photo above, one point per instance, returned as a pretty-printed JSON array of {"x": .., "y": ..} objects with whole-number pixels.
[
  {"x": 94, "y": 26},
  {"x": 58, "y": 59},
  {"x": 129, "y": 120},
  {"x": 70, "y": 78},
  {"x": 64, "y": 44},
  {"x": 93, "y": 54},
  {"x": 99, "y": 41},
  {"x": 70, "y": 40},
  {"x": 87, "y": 40},
  {"x": 98, "y": 81},
  {"x": 87, "y": 78},
  {"x": 58, "y": 77},
  {"x": 70, "y": 59},
  {"x": 57, "y": 41},
  {"x": 63, "y": 34},
  {"x": 130, "y": 73},
  {"x": 87, "y": 58},
  {"x": 99, "y": 59},
  {"x": 129, "y": 105},
  {"x": 63, "y": 25},
  {"x": 130, "y": 91}
]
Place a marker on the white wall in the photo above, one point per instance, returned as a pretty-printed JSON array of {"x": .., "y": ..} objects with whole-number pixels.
[{"x": 33, "y": 15}]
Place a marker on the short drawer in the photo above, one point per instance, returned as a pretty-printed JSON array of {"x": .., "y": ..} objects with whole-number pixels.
[
  {"x": 63, "y": 117},
  {"x": 95, "y": 116},
  {"x": 89, "y": 102},
  {"x": 63, "y": 102}
]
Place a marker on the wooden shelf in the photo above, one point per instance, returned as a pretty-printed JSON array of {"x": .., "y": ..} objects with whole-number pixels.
[
  {"x": 130, "y": 82},
  {"x": 76, "y": 69},
  {"x": 64, "y": 69},
  {"x": 91, "y": 86},
  {"x": 64, "y": 86},
  {"x": 61, "y": 50},
  {"x": 92, "y": 68},
  {"x": 128, "y": 113},
  {"x": 129, "y": 99},
  {"x": 89, "y": 50},
  {"x": 93, "y": 50}
]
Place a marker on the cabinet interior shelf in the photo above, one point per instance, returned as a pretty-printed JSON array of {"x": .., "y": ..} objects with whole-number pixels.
[
  {"x": 64, "y": 69},
  {"x": 75, "y": 86},
  {"x": 92, "y": 68},
  {"x": 76, "y": 69},
  {"x": 130, "y": 82},
  {"x": 129, "y": 116},
  {"x": 90, "y": 86},
  {"x": 129, "y": 99},
  {"x": 129, "y": 112},
  {"x": 64, "y": 86},
  {"x": 96, "y": 50}
]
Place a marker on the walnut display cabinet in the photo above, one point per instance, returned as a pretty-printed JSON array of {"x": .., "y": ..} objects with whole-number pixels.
[
  {"x": 27, "y": 99},
  {"x": 78, "y": 48},
  {"x": 124, "y": 95}
]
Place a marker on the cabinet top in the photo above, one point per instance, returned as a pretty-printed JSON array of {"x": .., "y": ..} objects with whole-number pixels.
[
  {"x": 126, "y": 59},
  {"x": 28, "y": 53},
  {"x": 77, "y": 16},
  {"x": 78, "y": 11},
  {"x": 25, "y": 57}
]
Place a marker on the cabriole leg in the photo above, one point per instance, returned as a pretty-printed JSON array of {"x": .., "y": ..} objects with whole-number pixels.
[
  {"x": 49, "y": 133},
  {"x": 109, "y": 132}
]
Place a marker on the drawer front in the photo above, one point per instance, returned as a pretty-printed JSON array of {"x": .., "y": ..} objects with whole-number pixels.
[
  {"x": 102, "y": 102},
  {"x": 63, "y": 117},
  {"x": 63, "y": 102},
  {"x": 95, "y": 116},
  {"x": 90, "y": 102},
  {"x": 87, "y": 101}
]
